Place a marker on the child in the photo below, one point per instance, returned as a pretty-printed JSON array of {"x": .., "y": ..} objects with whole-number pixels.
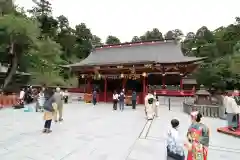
[
  {"x": 49, "y": 107},
  {"x": 175, "y": 148}
]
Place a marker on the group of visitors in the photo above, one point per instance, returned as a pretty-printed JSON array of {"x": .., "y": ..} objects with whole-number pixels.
[
  {"x": 26, "y": 95},
  {"x": 53, "y": 106},
  {"x": 198, "y": 133},
  {"x": 50, "y": 102},
  {"x": 119, "y": 98},
  {"x": 197, "y": 140}
]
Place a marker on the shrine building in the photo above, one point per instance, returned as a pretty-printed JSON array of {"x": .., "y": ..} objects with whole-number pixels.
[{"x": 135, "y": 66}]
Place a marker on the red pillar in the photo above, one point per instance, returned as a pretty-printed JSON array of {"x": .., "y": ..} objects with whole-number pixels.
[
  {"x": 144, "y": 89},
  {"x": 89, "y": 87},
  {"x": 105, "y": 90},
  {"x": 163, "y": 82}
]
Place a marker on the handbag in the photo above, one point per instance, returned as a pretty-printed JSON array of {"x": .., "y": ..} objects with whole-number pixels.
[{"x": 54, "y": 105}]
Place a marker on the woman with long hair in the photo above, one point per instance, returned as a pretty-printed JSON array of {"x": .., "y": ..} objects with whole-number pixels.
[{"x": 198, "y": 138}]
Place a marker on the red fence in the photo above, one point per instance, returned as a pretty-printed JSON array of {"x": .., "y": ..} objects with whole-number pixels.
[{"x": 8, "y": 101}]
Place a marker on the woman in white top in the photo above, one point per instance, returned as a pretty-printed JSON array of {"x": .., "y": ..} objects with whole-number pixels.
[
  {"x": 115, "y": 100},
  {"x": 175, "y": 147}
]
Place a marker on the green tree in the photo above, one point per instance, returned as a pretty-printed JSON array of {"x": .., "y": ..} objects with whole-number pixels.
[
  {"x": 112, "y": 40},
  {"x": 154, "y": 34},
  {"x": 96, "y": 41},
  {"x": 19, "y": 33},
  {"x": 221, "y": 47},
  {"x": 42, "y": 11},
  {"x": 136, "y": 39},
  {"x": 83, "y": 46}
]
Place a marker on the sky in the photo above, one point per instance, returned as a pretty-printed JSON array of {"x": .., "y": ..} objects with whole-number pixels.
[{"x": 127, "y": 18}]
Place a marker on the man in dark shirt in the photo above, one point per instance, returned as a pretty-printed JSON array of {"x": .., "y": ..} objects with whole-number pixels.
[
  {"x": 94, "y": 96},
  {"x": 134, "y": 99}
]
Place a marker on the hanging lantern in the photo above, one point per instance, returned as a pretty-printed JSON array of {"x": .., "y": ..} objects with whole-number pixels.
[
  {"x": 144, "y": 74},
  {"x": 122, "y": 75},
  {"x": 82, "y": 75}
]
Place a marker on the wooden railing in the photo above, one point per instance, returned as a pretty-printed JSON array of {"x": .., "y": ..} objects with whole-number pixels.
[{"x": 206, "y": 110}]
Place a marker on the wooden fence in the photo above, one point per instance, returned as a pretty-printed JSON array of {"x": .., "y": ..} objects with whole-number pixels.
[{"x": 206, "y": 110}]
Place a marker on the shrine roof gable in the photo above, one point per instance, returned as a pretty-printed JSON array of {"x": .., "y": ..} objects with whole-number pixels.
[{"x": 154, "y": 52}]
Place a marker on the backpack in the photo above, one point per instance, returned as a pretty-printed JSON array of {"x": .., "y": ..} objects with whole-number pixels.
[
  {"x": 48, "y": 105},
  {"x": 121, "y": 97}
]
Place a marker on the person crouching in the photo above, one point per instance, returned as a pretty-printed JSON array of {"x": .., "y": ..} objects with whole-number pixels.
[{"x": 49, "y": 106}]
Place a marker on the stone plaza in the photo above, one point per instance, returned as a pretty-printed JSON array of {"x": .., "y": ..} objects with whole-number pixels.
[{"x": 99, "y": 133}]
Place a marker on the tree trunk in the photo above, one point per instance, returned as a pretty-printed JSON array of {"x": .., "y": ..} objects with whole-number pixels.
[{"x": 12, "y": 69}]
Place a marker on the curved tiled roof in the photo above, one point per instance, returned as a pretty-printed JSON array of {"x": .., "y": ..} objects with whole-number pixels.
[{"x": 155, "y": 52}]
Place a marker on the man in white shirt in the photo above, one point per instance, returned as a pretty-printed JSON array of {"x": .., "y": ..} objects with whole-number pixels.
[
  {"x": 232, "y": 110},
  {"x": 22, "y": 96},
  {"x": 115, "y": 100},
  {"x": 58, "y": 98}
]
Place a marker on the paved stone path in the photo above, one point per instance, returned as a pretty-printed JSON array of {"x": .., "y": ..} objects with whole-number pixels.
[{"x": 100, "y": 134}]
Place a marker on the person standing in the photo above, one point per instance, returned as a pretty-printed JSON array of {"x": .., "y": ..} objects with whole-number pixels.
[
  {"x": 66, "y": 96},
  {"x": 134, "y": 99},
  {"x": 115, "y": 100},
  {"x": 121, "y": 98},
  {"x": 48, "y": 111},
  {"x": 198, "y": 138},
  {"x": 40, "y": 101},
  {"x": 22, "y": 97},
  {"x": 149, "y": 105},
  {"x": 175, "y": 146},
  {"x": 156, "y": 104},
  {"x": 232, "y": 110},
  {"x": 94, "y": 97},
  {"x": 58, "y": 98}
]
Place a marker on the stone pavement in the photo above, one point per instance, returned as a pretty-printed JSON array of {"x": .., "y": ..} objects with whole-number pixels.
[{"x": 98, "y": 133}]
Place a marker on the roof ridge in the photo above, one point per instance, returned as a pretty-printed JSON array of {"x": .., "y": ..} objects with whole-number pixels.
[{"x": 129, "y": 44}]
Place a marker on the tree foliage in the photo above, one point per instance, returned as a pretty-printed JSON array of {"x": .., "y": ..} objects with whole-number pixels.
[{"x": 221, "y": 47}]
